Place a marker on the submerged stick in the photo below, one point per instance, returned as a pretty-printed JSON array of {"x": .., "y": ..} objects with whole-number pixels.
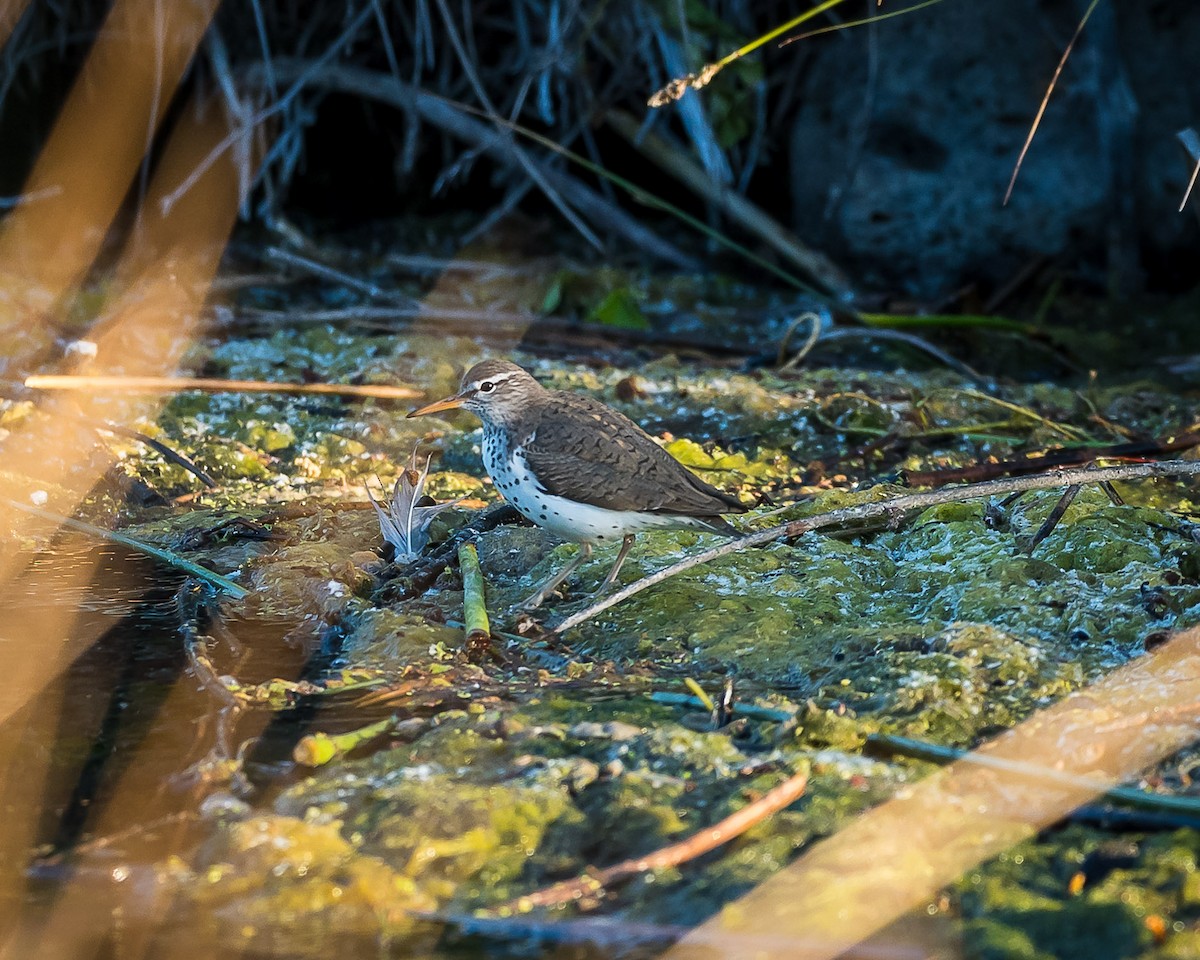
[
  {"x": 156, "y": 385},
  {"x": 158, "y": 553},
  {"x": 621, "y": 936},
  {"x": 475, "y": 616},
  {"x": 698, "y": 844},
  {"x": 893, "y": 508},
  {"x": 167, "y": 453},
  {"x": 739, "y": 709}
]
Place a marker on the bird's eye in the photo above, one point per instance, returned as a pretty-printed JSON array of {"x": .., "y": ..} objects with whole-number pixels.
[{"x": 487, "y": 386}]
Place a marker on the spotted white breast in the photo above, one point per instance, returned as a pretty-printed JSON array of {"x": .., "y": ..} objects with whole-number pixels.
[{"x": 564, "y": 518}]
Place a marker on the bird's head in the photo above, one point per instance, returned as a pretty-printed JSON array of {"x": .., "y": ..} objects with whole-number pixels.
[{"x": 496, "y": 391}]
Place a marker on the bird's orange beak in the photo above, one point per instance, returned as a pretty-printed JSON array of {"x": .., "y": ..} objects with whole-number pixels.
[{"x": 450, "y": 403}]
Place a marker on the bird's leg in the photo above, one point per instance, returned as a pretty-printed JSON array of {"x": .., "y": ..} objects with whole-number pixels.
[
  {"x": 544, "y": 588},
  {"x": 617, "y": 564}
]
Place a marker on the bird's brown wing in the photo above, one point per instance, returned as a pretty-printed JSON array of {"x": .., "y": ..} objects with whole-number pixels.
[{"x": 587, "y": 452}]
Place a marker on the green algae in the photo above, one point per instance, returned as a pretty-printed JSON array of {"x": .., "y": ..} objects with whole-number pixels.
[
  {"x": 772, "y": 607},
  {"x": 301, "y": 887},
  {"x": 943, "y": 628},
  {"x": 1023, "y": 904}
]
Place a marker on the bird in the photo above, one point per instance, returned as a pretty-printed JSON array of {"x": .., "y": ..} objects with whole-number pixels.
[{"x": 580, "y": 469}]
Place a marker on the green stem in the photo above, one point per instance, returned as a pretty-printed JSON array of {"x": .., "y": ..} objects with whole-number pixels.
[
  {"x": 778, "y": 31},
  {"x": 475, "y": 614},
  {"x": 318, "y": 749},
  {"x": 1123, "y": 796},
  {"x": 166, "y": 556},
  {"x": 860, "y": 23}
]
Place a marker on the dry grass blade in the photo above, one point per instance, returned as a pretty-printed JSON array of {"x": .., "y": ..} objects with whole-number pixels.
[
  {"x": 1191, "y": 143},
  {"x": 308, "y": 265},
  {"x": 158, "y": 385},
  {"x": 1037, "y": 120}
]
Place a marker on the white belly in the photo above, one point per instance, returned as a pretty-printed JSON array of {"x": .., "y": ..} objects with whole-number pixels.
[
  {"x": 558, "y": 515},
  {"x": 582, "y": 521}
]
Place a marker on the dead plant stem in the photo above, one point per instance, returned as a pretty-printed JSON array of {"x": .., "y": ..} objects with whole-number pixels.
[{"x": 673, "y": 855}]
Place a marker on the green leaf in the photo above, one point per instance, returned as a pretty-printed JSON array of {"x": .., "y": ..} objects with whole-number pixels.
[
  {"x": 554, "y": 293},
  {"x": 620, "y": 309}
]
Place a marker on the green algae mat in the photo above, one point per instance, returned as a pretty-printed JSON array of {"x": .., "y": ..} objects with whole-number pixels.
[{"x": 419, "y": 790}]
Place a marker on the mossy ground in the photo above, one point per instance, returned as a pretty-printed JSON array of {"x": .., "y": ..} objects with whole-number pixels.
[{"x": 519, "y": 774}]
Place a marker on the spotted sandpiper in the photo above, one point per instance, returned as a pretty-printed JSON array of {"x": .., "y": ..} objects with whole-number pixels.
[{"x": 580, "y": 469}]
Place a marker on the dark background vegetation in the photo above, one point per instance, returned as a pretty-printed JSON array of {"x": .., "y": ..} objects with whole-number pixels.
[{"x": 887, "y": 147}]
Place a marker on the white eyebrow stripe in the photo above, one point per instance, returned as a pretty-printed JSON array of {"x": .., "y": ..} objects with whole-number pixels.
[{"x": 498, "y": 378}]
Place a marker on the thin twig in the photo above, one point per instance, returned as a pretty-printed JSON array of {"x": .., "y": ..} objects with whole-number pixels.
[
  {"x": 418, "y": 577},
  {"x": 423, "y": 263},
  {"x": 1055, "y": 457},
  {"x": 893, "y": 509},
  {"x": 698, "y": 844},
  {"x": 157, "y": 385},
  {"x": 530, "y": 168},
  {"x": 899, "y": 336},
  {"x": 1055, "y": 515}
]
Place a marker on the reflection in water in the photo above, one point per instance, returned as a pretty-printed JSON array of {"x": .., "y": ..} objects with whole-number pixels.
[{"x": 124, "y": 732}]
